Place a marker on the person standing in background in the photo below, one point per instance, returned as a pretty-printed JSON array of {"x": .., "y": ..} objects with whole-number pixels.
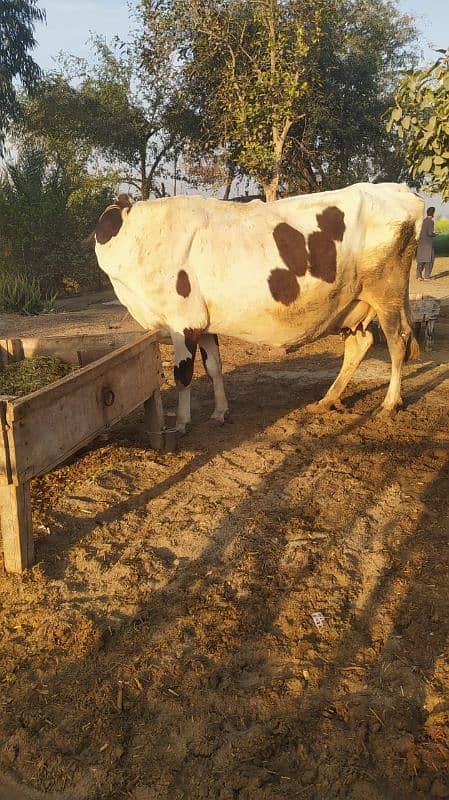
[{"x": 424, "y": 253}]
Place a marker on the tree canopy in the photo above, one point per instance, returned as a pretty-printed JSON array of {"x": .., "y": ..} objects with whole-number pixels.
[
  {"x": 421, "y": 119},
  {"x": 44, "y": 220},
  {"x": 17, "y": 22},
  {"x": 289, "y": 92},
  {"x": 107, "y": 112}
]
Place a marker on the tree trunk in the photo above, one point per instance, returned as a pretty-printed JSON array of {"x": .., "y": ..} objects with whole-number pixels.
[
  {"x": 229, "y": 179},
  {"x": 144, "y": 183},
  {"x": 271, "y": 187},
  {"x": 145, "y": 190}
]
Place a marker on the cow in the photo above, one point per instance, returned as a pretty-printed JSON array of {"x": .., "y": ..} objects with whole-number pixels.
[{"x": 281, "y": 274}]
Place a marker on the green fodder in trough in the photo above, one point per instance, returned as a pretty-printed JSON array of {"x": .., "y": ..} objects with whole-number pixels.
[{"x": 27, "y": 376}]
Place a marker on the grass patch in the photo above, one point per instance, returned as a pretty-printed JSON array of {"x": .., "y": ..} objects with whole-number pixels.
[
  {"x": 441, "y": 244},
  {"x": 23, "y": 294},
  {"x": 441, "y": 241},
  {"x": 27, "y": 376}
]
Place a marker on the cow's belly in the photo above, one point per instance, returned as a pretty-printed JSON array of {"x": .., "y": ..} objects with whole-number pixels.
[
  {"x": 261, "y": 328},
  {"x": 317, "y": 311}
]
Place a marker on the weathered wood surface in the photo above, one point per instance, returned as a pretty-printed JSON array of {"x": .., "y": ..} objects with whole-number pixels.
[
  {"x": 5, "y": 463},
  {"x": 46, "y": 427},
  {"x": 16, "y": 526},
  {"x": 74, "y": 350},
  {"x": 43, "y": 428},
  {"x": 154, "y": 419},
  {"x": 424, "y": 307},
  {"x": 161, "y": 437},
  {"x": 425, "y": 311}
]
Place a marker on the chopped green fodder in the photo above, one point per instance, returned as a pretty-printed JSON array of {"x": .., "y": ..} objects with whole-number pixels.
[{"x": 27, "y": 376}]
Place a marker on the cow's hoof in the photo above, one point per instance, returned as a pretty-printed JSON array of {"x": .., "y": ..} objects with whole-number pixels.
[
  {"x": 219, "y": 417},
  {"x": 182, "y": 428},
  {"x": 325, "y": 406},
  {"x": 385, "y": 413}
]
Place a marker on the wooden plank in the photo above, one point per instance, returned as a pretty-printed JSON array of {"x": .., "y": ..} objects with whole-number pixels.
[
  {"x": 74, "y": 350},
  {"x": 424, "y": 307},
  {"x": 66, "y": 348},
  {"x": 10, "y": 350},
  {"x": 3, "y": 352},
  {"x": 154, "y": 419},
  {"x": 16, "y": 527},
  {"x": 5, "y": 460},
  {"x": 47, "y": 426}
]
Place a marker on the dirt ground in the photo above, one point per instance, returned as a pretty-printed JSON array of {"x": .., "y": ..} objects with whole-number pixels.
[{"x": 163, "y": 647}]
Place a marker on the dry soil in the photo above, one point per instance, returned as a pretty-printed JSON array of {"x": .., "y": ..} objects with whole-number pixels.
[{"x": 164, "y": 648}]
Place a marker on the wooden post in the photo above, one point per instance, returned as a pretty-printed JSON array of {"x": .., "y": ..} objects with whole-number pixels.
[
  {"x": 154, "y": 419},
  {"x": 16, "y": 525}
]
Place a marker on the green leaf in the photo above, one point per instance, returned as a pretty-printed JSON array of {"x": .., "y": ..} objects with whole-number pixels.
[
  {"x": 396, "y": 114},
  {"x": 426, "y": 164}
]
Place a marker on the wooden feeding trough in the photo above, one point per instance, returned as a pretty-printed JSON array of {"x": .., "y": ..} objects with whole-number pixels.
[
  {"x": 44, "y": 428},
  {"x": 425, "y": 311}
]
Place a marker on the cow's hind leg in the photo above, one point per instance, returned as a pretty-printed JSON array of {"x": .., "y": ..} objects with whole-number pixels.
[
  {"x": 401, "y": 345},
  {"x": 210, "y": 354},
  {"x": 185, "y": 349},
  {"x": 357, "y": 344}
]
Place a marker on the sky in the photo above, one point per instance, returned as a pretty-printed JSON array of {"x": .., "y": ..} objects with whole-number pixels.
[
  {"x": 432, "y": 18},
  {"x": 69, "y": 23}
]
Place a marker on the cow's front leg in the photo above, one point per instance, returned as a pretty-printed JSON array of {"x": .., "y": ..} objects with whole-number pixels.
[
  {"x": 185, "y": 348},
  {"x": 210, "y": 353}
]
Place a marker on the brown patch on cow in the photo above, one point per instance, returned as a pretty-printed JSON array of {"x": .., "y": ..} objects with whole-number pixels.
[
  {"x": 292, "y": 248},
  {"x": 291, "y": 245},
  {"x": 331, "y": 222},
  {"x": 322, "y": 249},
  {"x": 283, "y": 285},
  {"x": 203, "y": 356},
  {"x": 109, "y": 224},
  {"x": 183, "y": 284},
  {"x": 406, "y": 242},
  {"x": 123, "y": 201},
  {"x": 323, "y": 257},
  {"x": 192, "y": 335},
  {"x": 183, "y": 372}
]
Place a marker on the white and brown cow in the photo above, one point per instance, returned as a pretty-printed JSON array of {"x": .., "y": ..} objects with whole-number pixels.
[{"x": 282, "y": 274}]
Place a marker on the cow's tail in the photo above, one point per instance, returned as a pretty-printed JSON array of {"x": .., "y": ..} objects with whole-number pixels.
[
  {"x": 412, "y": 350},
  {"x": 405, "y": 251}
]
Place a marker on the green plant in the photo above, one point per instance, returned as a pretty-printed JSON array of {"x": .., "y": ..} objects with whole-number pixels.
[
  {"x": 24, "y": 294},
  {"x": 17, "y": 21},
  {"x": 44, "y": 218},
  {"x": 441, "y": 242},
  {"x": 421, "y": 119}
]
